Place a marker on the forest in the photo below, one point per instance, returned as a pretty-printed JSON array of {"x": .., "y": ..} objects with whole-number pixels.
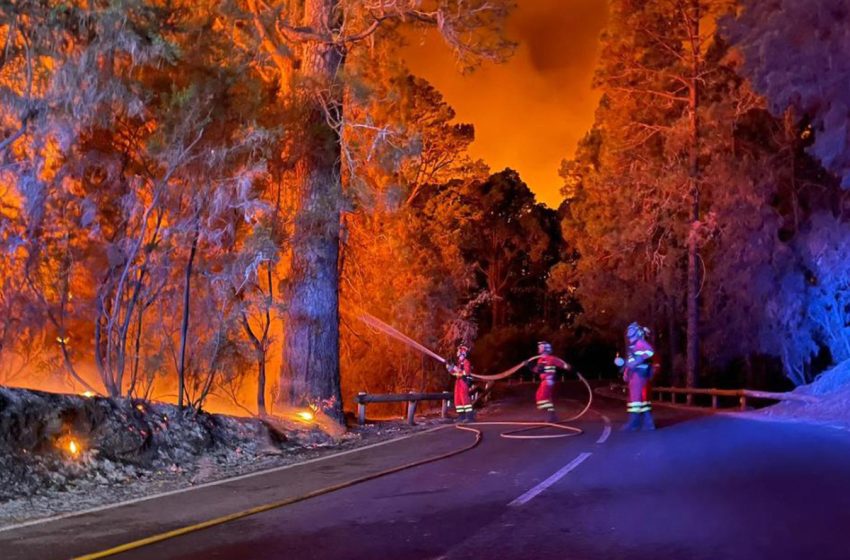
[{"x": 199, "y": 199}]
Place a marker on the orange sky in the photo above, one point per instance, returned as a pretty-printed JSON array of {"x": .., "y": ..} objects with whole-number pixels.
[{"x": 530, "y": 112}]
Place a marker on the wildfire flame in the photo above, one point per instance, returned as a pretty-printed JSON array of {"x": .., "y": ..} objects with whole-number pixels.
[
  {"x": 87, "y": 394},
  {"x": 305, "y": 415},
  {"x": 74, "y": 447}
]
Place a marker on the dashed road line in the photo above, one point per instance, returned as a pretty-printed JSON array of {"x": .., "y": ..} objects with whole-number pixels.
[
  {"x": 606, "y": 432},
  {"x": 561, "y": 473}
]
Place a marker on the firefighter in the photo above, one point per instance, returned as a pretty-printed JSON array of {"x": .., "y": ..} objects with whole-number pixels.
[
  {"x": 637, "y": 371},
  {"x": 462, "y": 372},
  {"x": 546, "y": 367}
]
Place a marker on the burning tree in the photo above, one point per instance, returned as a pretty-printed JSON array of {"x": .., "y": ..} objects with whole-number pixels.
[
  {"x": 400, "y": 255},
  {"x": 134, "y": 119},
  {"x": 309, "y": 46}
]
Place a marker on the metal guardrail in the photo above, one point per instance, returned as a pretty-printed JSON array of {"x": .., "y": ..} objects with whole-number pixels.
[
  {"x": 410, "y": 398},
  {"x": 741, "y": 394}
]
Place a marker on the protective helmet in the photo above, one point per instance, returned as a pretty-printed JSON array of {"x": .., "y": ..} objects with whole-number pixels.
[
  {"x": 462, "y": 351},
  {"x": 544, "y": 347},
  {"x": 635, "y": 332}
]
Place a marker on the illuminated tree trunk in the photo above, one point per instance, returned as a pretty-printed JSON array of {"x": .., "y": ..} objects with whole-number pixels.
[
  {"x": 310, "y": 366},
  {"x": 693, "y": 281},
  {"x": 184, "y": 327}
]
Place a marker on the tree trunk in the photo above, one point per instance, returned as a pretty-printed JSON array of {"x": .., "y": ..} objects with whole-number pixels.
[
  {"x": 693, "y": 281},
  {"x": 184, "y": 328},
  {"x": 137, "y": 347},
  {"x": 261, "y": 383},
  {"x": 310, "y": 365},
  {"x": 496, "y": 311},
  {"x": 673, "y": 341}
]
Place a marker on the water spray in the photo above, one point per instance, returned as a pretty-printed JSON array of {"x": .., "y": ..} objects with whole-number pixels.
[{"x": 379, "y": 325}]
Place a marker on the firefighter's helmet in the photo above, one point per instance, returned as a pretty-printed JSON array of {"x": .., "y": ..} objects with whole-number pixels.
[
  {"x": 544, "y": 347},
  {"x": 635, "y": 332},
  {"x": 462, "y": 351}
]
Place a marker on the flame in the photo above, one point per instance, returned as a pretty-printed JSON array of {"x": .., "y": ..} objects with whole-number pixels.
[
  {"x": 305, "y": 415},
  {"x": 140, "y": 407},
  {"x": 74, "y": 448},
  {"x": 87, "y": 394}
]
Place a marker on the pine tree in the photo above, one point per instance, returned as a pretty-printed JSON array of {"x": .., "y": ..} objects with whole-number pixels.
[{"x": 309, "y": 43}]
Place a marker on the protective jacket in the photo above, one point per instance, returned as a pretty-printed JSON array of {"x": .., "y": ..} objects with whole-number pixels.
[
  {"x": 546, "y": 367},
  {"x": 637, "y": 372},
  {"x": 462, "y": 372}
]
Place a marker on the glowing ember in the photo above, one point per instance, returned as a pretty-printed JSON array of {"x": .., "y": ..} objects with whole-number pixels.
[
  {"x": 73, "y": 447},
  {"x": 140, "y": 407},
  {"x": 305, "y": 415},
  {"x": 87, "y": 394}
]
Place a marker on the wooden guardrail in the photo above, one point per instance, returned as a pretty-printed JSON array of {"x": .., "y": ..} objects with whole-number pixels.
[
  {"x": 410, "y": 398},
  {"x": 741, "y": 394}
]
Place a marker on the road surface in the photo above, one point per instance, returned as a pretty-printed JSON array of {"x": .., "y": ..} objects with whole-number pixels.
[{"x": 701, "y": 487}]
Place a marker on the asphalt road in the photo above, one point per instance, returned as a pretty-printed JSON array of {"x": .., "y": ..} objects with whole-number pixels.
[{"x": 701, "y": 487}]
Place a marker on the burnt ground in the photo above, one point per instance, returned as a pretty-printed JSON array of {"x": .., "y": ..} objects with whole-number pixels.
[{"x": 62, "y": 453}]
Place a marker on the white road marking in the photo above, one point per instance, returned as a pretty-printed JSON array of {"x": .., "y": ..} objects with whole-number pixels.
[
  {"x": 606, "y": 432},
  {"x": 561, "y": 473},
  {"x": 208, "y": 484}
]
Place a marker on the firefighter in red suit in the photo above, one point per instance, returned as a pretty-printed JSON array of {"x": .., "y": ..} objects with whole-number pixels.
[
  {"x": 546, "y": 367},
  {"x": 462, "y": 372},
  {"x": 637, "y": 371}
]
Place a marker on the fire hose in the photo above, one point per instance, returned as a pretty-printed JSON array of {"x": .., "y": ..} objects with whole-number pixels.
[
  {"x": 571, "y": 431},
  {"x": 479, "y": 436},
  {"x": 519, "y": 433}
]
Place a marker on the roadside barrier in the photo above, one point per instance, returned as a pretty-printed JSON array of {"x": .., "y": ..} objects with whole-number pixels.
[{"x": 741, "y": 397}]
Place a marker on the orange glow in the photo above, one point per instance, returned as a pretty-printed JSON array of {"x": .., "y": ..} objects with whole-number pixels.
[
  {"x": 87, "y": 394},
  {"x": 530, "y": 112},
  {"x": 305, "y": 415},
  {"x": 70, "y": 445}
]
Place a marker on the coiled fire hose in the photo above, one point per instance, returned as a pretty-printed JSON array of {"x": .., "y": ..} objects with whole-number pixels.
[
  {"x": 470, "y": 427},
  {"x": 529, "y": 426},
  {"x": 520, "y": 433},
  {"x": 381, "y": 326},
  {"x": 479, "y": 436}
]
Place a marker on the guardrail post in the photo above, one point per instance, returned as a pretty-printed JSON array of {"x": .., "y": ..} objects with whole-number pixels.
[
  {"x": 444, "y": 408},
  {"x": 361, "y": 409},
  {"x": 411, "y": 411},
  {"x": 713, "y": 401},
  {"x": 743, "y": 402},
  {"x": 689, "y": 399}
]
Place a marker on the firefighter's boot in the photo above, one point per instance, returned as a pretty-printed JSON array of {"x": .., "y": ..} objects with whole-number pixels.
[
  {"x": 471, "y": 415},
  {"x": 633, "y": 424},
  {"x": 464, "y": 417},
  {"x": 552, "y": 417},
  {"x": 647, "y": 422}
]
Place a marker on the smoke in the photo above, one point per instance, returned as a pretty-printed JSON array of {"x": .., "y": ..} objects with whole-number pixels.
[{"x": 530, "y": 112}]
